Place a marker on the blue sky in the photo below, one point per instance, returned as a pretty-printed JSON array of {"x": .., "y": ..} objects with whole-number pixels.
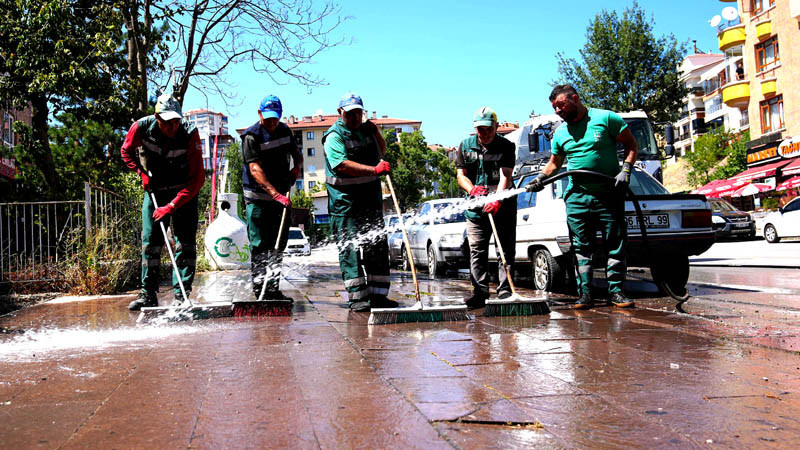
[{"x": 438, "y": 61}]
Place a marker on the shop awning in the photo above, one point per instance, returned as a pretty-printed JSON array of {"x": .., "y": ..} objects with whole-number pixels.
[
  {"x": 792, "y": 169},
  {"x": 791, "y": 183},
  {"x": 751, "y": 189},
  {"x": 766, "y": 170},
  {"x": 720, "y": 188}
]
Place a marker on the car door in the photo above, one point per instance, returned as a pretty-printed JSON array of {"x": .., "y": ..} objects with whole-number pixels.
[
  {"x": 416, "y": 230},
  {"x": 790, "y": 219}
]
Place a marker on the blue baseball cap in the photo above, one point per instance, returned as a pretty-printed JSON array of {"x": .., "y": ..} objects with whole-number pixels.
[
  {"x": 351, "y": 101},
  {"x": 271, "y": 107}
]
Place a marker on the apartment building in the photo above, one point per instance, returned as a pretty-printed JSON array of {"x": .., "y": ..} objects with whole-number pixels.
[
  {"x": 210, "y": 125},
  {"x": 8, "y": 139},
  {"x": 765, "y": 91},
  {"x": 308, "y": 133}
]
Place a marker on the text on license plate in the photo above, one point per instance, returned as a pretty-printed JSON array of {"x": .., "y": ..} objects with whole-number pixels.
[{"x": 650, "y": 221}]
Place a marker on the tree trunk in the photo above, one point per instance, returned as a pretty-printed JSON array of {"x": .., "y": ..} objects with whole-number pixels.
[{"x": 41, "y": 142}]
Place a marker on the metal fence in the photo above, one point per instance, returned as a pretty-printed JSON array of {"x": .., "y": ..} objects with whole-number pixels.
[{"x": 35, "y": 237}]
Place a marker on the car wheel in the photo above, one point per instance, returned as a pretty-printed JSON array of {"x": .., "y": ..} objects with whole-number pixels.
[
  {"x": 771, "y": 234},
  {"x": 671, "y": 273},
  {"x": 434, "y": 267},
  {"x": 405, "y": 265},
  {"x": 546, "y": 270}
]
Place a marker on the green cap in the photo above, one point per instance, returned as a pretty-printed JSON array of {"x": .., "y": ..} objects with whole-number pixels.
[
  {"x": 484, "y": 117},
  {"x": 167, "y": 108}
]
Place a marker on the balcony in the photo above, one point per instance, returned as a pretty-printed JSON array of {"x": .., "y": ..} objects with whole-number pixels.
[
  {"x": 731, "y": 37},
  {"x": 764, "y": 30},
  {"x": 736, "y": 95},
  {"x": 769, "y": 87}
]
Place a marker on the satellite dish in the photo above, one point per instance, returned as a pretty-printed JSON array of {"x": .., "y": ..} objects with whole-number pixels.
[
  {"x": 730, "y": 13},
  {"x": 715, "y": 21}
]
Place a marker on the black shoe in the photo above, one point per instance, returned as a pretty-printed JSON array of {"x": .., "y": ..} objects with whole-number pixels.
[
  {"x": 144, "y": 300},
  {"x": 380, "y": 301},
  {"x": 178, "y": 300},
  {"x": 619, "y": 300},
  {"x": 584, "y": 301},
  {"x": 277, "y": 295},
  {"x": 504, "y": 295},
  {"x": 359, "y": 306},
  {"x": 478, "y": 300}
]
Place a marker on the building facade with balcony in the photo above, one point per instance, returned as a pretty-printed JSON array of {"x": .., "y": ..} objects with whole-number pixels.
[
  {"x": 210, "y": 125},
  {"x": 767, "y": 33}
]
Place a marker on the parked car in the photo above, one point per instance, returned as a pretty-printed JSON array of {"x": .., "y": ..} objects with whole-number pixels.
[
  {"x": 395, "y": 238},
  {"x": 728, "y": 221},
  {"x": 785, "y": 222},
  {"x": 436, "y": 234},
  {"x": 677, "y": 225},
  {"x": 298, "y": 243}
]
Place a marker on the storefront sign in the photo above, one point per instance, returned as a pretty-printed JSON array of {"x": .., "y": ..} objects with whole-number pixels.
[
  {"x": 762, "y": 155},
  {"x": 8, "y": 168},
  {"x": 790, "y": 147}
]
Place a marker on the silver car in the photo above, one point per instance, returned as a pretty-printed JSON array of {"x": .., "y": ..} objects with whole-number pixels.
[{"x": 436, "y": 234}]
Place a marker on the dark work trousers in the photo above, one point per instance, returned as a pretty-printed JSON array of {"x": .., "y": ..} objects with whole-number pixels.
[
  {"x": 479, "y": 234},
  {"x": 263, "y": 225}
]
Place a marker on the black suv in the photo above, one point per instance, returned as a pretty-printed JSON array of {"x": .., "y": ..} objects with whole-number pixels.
[{"x": 730, "y": 222}]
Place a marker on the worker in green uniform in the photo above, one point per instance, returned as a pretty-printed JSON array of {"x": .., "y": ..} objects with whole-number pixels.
[
  {"x": 484, "y": 165},
  {"x": 353, "y": 166},
  {"x": 588, "y": 140},
  {"x": 268, "y": 148},
  {"x": 166, "y": 153}
]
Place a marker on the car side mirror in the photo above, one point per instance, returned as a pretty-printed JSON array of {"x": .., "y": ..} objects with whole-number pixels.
[
  {"x": 669, "y": 136},
  {"x": 780, "y": 209},
  {"x": 533, "y": 142}
]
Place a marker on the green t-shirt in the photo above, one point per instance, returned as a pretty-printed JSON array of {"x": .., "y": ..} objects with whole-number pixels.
[{"x": 590, "y": 144}]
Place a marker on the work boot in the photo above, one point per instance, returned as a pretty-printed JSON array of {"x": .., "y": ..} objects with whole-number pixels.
[
  {"x": 380, "y": 301},
  {"x": 178, "y": 299},
  {"x": 504, "y": 295},
  {"x": 619, "y": 300},
  {"x": 144, "y": 300},
  {"x": 478, "y": 300},
  {"x": 360, "y": 306},
  {"x": 584, "y": 301},
  {"x": 276, "y": 295}
]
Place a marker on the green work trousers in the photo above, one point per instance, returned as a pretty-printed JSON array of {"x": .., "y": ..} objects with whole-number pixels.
[
  {"x": 263, "y": 226},
  {"x": 184, "y": 229},
  {"x": 363, "y": 254},
  {"x": 588, "y": 213}
]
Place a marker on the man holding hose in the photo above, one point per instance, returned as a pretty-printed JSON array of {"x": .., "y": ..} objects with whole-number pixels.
[
  {"x": 353, "y": 166},
  {"x": 588, "y": 140},
  {"x": 165, "y": 151},
  {"x": 268, "y": 147},
  {"x": 484, "y": 165}
]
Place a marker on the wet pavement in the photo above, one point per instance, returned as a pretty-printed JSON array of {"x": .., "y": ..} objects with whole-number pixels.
[{"x": 79, "y": 373}]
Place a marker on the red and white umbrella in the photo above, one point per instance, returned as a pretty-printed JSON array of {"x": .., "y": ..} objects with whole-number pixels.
[
  {"x": 791, "y": 183},
  {"x": 751, "y": 189}
]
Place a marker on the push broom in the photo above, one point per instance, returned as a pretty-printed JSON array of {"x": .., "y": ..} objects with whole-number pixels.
[
  {"x": 268, "y": 307},
  {"x": 418, "y": 312},
  {"x": 186, "y": 310},
  {"x": 514, "y": 305}
]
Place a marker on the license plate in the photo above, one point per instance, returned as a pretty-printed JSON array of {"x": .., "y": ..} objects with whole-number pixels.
[
  {"x": 742, "y": 225},
  {"x": 650, "y": 221}
]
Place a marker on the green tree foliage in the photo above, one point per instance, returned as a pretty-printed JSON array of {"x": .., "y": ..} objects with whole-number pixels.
[
  {"x": 416, "y": 168},
  {"x": 717, "y": 155},
  {"x": 302, "y": 198},
  {"x": 625, "y": 67},
  {"x": 59, "y": 56}
]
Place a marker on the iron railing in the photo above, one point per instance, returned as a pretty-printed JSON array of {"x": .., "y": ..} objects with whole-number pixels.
[{"x": 36, "y": 236}]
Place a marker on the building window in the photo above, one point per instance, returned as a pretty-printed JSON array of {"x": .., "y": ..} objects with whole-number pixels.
[
  {"x": 758, "y": 5},
  {"x": 772, "y": 114},
  {"x": 311, "y": 152},
  {"x": 311, "y": 169},
  {"x": 298, "y": 185},
  {"x": 311, "y": 185},
  {"x": 8, "y": 129},
  {"x": 767, "y": 54},
  {"x": 310, "y": 135},
  {"x": 298, "y": 138}
]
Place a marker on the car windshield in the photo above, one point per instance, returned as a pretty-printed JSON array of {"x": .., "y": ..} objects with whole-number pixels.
[
  {"x": 448, "y": 213},
  {"x": 642, "y": 132},
  {"x": 392, "y": 223},
  {"x": 295, "y": 234},
  {"x": 721, "y": 205}
]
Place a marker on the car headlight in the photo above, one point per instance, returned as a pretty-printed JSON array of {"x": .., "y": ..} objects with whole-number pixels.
[
  {"x": 452, "y": 240},
  {"x": 717, "y": 219}
]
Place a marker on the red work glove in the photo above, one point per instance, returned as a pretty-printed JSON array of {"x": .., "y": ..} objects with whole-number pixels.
[
  {"x": 145, "y": 181},
  {"x": 283, "y": 200},
  {"x": 492, "y": 207},
  {"x": 478, "y": 191},
  {"x": 382, "y": 168},
  {"x": 163, "y": 211}
]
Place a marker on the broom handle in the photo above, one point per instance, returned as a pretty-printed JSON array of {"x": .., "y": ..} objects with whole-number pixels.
[
  {"x": 277, "y": 246},
  {"x": 171, "y": 255},
  {"x": 502, "y": 255},
  {"x": 405, "y": 238}
]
